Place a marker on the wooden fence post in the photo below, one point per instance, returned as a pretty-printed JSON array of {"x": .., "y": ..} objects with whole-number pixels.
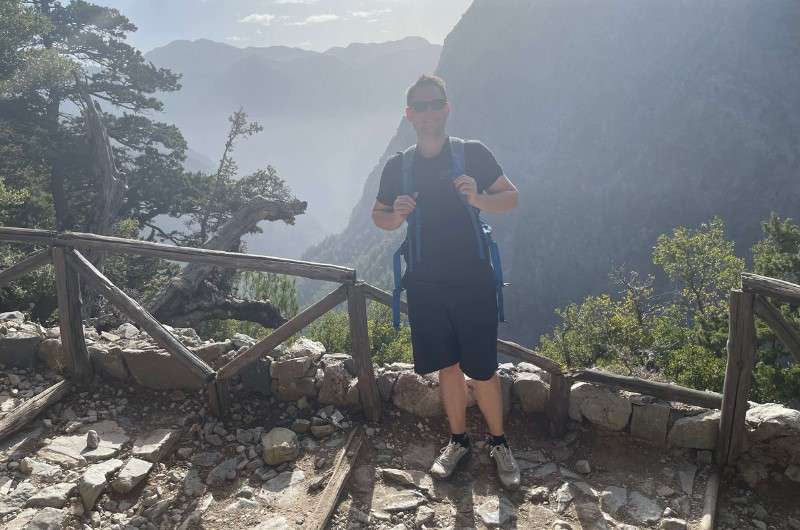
[
  {"x": 367, "y": 387},
  {"x": 70, "y": 318},
  {"x": 738, "y": 377},
  {"x": 558, "y": 404}
]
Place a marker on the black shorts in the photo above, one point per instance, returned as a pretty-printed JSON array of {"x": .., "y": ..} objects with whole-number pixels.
[{"x": 453, "y": 324}]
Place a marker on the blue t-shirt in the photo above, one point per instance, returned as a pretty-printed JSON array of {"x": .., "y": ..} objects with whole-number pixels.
[{"x": 449, "y": 250}]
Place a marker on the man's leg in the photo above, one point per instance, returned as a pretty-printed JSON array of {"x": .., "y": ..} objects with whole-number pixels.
[
  {"x": 453, "y": 388},
  {"x": 490, "y": 400}
]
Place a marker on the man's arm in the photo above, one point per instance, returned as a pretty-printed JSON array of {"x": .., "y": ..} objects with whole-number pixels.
[
  {"x": 502, "y": 196},
  {"x": 391, "y": 217}
]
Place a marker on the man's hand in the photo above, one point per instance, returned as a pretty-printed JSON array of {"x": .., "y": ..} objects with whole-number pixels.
[
  {"x": 405, "y": 204},
  {"x": 467, "y": 185}
]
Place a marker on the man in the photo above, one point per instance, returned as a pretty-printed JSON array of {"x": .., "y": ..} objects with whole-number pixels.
[{"x": 452, "y": 305}]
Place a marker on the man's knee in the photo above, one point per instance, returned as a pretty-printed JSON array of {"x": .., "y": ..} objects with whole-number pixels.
[{"x": 452, "y": 370}]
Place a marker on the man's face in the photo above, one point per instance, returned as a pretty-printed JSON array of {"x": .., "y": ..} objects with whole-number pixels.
[{"x": 431, "y": 113}]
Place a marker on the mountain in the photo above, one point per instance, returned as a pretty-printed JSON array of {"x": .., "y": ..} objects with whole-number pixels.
[
  {"x": 326, "y": 117},
  {"x": 618, "y": 121}
]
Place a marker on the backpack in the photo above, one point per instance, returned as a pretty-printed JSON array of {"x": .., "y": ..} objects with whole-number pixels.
[{"x": 411, "y": 248}]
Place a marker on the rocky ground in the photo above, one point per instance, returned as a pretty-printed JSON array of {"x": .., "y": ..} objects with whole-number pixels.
[
  {"x": 119, "y": 455},
  {"x": 162, "y": 463}
]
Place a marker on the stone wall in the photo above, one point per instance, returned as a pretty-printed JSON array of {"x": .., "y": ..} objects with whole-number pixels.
[{"x": 304, "y": 372}]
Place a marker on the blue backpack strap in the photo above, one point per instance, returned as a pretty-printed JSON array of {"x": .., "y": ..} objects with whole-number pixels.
[
  {"x": 483, "y": 232},
  {"x": 458, "y": 165},
  {"x": 408, "y": 246}
]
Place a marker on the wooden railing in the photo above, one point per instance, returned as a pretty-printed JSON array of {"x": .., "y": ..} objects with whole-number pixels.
[{"x": 71, "y": 268}]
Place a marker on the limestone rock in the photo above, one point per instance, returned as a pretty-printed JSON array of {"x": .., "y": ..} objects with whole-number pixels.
[
  {"x": 290, "y": 368},
  {"x": 672, "y": 523},
  {"x": 225, "y": 470},
  {"x": 279, "y": 445},
  {"x": 108, "y": 361},
  {"x": 70, "y": 450},
  {"x": 412, "y": 478},
  {"x": 293, "y": 389},
  {"x": 47, "y": 519},
  {"x": 305, "y": 347},
  {"x": 600, "y": 405},
  {"x": 770, "y": 420},
  {"x": 159, "y": 370},
  {"x": 52, "y": 355},
  {"x": 613, "y": 498},
  {"x": 496, "y": 512},
  {"x": 155, "y": 445},
  {"x": 793, "y": 472},
  {"x": 643, "y": 509},
  {"x": 698, "y": 432},
  {"x": 20, "y": 347},
  {"x": 531, "y": 391},
  {"x": 54, "y": 496},
  {"x": 283, "y": 481},
  {"x": 338, "y": 387},
  {"x": 418, "y": 394},
  {"x": 385, "y": 382},
  {"x": 400, "y": 501},
  {"x": 649, "y": 420},
  {"x": 256, "y": 378},
  {"x": 134, "y": 471},
  {"x": 94, "y": 481},
  {"x": 37, "y": 469},
  {"x": 92, "y": 439}
]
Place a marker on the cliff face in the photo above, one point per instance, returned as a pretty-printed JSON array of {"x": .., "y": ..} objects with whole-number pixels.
[{"x": 618, "y": 121}]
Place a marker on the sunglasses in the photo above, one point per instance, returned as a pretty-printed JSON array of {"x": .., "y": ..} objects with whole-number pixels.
[{"x": 422, "y": 106}]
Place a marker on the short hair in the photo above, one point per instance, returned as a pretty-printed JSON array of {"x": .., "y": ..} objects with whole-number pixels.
[{"x": 426, "y": 80}]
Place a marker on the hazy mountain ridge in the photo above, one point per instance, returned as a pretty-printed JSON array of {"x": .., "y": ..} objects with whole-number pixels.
[
  {"x": 617, "y": 125},
  {"x": 326, "y": 117}
]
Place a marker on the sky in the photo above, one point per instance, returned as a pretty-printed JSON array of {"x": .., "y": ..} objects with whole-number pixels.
[{"x": 311, "y": 24}]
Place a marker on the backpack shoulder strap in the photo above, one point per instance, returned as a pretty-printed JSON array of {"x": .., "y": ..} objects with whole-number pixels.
[
  {"x": 457, "y": 155},
  {"x": 408, "y": 169}
]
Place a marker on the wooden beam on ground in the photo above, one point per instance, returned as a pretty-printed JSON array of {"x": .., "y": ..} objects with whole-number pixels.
[
  {"x": 37, "y": 259},
  {"x": 558, "y": 404},
  {"x": 292, "y": 326},
  {"x": 785, "y": 331},
  {"x": 665, "y": 391},
  {"x": 139, "y": 315},
  {"x": 362, "y": 357},
  {"x": 70, "y": 316},
  {"x": 27, "y": 412},
  {"x": 342, "y": 468},
  {"x": 229, "y": 260},
  {"x": 512, "y": 349},
  {"x": 379, "y": 295},
  {"x": 707, "y": 522},
  {"x": 772, "y": 287},
  {"x": 738, "y": 377}
]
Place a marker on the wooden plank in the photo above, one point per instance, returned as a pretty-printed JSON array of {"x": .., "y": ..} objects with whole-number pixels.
[
  {"x": 558, "y": 404},
  {"x": 362, "y": 357},
  {"x": 27, "y": 412},
  {"x": 70, "y": 317},
  {"x": 37, "y": 259},
  {"x": 785, "y": 331},
  {"x": 707, "y": 522},
  {"x": 379, "y": 295},
  {"x": 738, "y": 377},
  {"x": 342, "y": 468},
  {"x": 292, "y": 326},
  {"x": 666, "y": 391},
  {"x": 512, "y": 349},
  {"x": 230, "y": 260},
  {"x": 773, "y": 287},
  {"x": 140, "y": 316},
  {"x": 219, "y": 397}
]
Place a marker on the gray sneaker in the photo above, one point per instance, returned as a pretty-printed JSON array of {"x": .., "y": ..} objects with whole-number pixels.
[
  {"x": 507, "y": 468},
  {"x": 448, "y": 460}
]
